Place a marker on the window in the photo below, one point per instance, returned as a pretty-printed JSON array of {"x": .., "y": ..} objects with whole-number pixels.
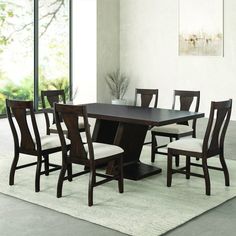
[
  {"x": 54, "y": 45},
  {"x": 17, "y": 27},
  {"x": 16, "y": 50}
]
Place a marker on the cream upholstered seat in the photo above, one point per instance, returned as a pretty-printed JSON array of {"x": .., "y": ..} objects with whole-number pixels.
[
  {"x": 187, "y": 99},
  {"x": 187, "y": 144},
  {"x": 211, "y": 146},
  {"x": 102, "y": 150},
  {"x": 50, "y": 141},
  {"x": 90, "y": 154},
  {"x": 173, "y": 129}
]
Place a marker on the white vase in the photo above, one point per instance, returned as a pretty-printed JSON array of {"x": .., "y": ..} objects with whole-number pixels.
[{"x": 118, "y": 102}]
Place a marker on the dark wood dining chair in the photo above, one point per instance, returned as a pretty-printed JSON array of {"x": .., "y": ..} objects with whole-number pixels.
[
  {"x": 146, "y": 98},
  {"x": 28, "y": 141},
  {"x": 211, "y": 146},
  {"x": 49, "y": 97},
  {"x": 90, "y": 154},
  {"x": 185, "y": 100}
]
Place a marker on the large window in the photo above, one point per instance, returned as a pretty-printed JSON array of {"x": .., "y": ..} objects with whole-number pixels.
[
  {"x": 54, "y": 45},
  {"x": 16, "y": 50},
  {"x": 17, "y": 46}
]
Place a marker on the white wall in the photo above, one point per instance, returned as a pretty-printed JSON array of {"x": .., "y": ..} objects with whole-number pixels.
[
  {"x": 84, "y": 50},
  {"x": 108, "y": 43},
  {"x": 149, "y": 54},
  {"x": 96, "y": 47}
]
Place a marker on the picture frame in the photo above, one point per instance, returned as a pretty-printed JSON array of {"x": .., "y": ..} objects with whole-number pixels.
[{"x": 201, "y": 31}]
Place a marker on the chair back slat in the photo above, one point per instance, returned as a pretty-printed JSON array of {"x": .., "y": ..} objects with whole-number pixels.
[
  {"x": 146, "y": 100},
  {"x": 185, "y": 103},
  {"x": 19, "y": 110},
  {"x": 70, "y": 115},
  {"x": 146, "y": 97},
  {"x": 217, "y": 125},
  {"x": 187, "y": 99}
]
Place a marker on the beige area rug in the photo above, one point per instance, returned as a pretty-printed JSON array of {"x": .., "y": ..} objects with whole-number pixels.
[{"x": 147, "y": 207}]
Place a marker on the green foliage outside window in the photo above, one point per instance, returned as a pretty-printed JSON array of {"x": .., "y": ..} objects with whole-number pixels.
[{"x": 24, "y": 91}]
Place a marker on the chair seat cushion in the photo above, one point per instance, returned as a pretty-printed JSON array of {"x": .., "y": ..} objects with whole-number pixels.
[
  {"x": 187, "y": 144},
  {"x": 50, "y": 141},
  {"x": 63, "y": 126},
  {"x": 172, "y": 129},
  {"x": 102, "y": 150}
]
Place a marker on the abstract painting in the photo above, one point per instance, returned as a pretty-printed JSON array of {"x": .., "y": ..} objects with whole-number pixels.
[{"x": 201, "y": 27}]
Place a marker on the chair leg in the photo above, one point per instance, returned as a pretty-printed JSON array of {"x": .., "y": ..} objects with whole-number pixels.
[
  {"x": 187, "y": 167},
  {"x": 177, "y": 160},
  {"x": 154, "y": 146},
  {"x": 69, "y": 171},
  {"x": 13, "y": 168},
  {"x": 169, "y": 169},
  {"x": 38, "y": 173},
  {"x": 176, "y": 157},
  {"x": 206, "y": 176},
  {"x": 121, "y": 178},
  {"x": 194, "y": 136},
  {"x": 46, "y": 165},
  {"x": 91, "y": 185},
  {"x": 225, "y": 169},
  {"x": 60, "y": 180}
]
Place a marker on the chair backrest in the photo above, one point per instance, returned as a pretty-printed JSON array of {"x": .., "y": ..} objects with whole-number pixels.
[
  {"x": 70, "y": 115},
  {"x": 186, "y": 99},
  {"x": 52, "y": 96},
  {"x": 219, "y": 118},
  {"x": 19, "y": 110},
  {"x": 146, "y": 97}
]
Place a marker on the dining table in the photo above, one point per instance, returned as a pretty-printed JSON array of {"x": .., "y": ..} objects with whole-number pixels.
[{"x": 127, "y": 126}]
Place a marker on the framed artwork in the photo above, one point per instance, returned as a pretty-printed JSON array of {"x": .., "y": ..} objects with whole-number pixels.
[{"x": 201, "y": 27}]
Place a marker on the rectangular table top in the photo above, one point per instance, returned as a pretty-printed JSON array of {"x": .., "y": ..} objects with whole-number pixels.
[{"x": 139, "y": 115}]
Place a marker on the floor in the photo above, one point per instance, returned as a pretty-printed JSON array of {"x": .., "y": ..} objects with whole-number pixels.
[{"x": 18, "y": 217}]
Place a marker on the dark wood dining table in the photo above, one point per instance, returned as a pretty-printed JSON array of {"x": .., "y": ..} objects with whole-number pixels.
[{"x": 126, "y": 126}]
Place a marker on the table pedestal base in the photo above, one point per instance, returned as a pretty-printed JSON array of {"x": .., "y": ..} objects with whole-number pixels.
[
  {"x": 138, "y": 170},
  {"x": 130, "y": 137}
]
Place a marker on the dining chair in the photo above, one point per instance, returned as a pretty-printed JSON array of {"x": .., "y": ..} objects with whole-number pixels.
[
  {"x": 90, "y": 154},
  {"x": 28, "y": 141},
  {"x": 211, "y": 145},
  {"x": 184, "y": 101},
  {"x": 146, "y": 98},
  {"x": 49, "y": 97}
]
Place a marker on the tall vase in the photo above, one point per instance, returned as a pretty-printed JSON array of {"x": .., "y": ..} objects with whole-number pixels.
[{"x": 118, "y": 102}]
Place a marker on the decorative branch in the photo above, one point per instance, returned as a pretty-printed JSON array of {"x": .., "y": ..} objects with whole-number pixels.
[
  {"x": 52, "y": 14},
  {"x": 117, "y": 83}
]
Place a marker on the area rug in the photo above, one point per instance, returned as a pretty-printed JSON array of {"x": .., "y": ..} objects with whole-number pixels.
[{"x": 147, "y": 207}]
